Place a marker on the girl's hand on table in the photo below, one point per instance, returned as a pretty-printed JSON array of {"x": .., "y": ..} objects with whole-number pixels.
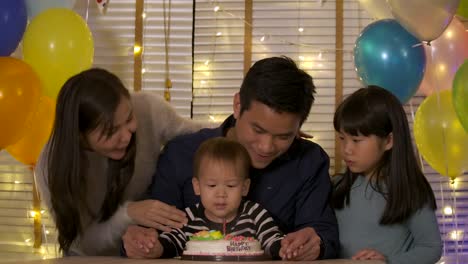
[{"x": 368, "y": 253}]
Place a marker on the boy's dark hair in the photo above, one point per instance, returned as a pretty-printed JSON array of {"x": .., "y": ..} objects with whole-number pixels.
[
  {"x": 221, "y": 149},
  {"x": 278, "y": 83},
  {"x": 398, "y": 177}
]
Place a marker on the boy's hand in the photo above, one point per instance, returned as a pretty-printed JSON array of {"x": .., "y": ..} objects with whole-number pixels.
[
  {"x": 368, "y": 253},
  {"x": 156, "y": 251},
  {"x": 303, "y": 244},
  {"x": 283, "y": 254},
  {"x": 138, "y": 241}
]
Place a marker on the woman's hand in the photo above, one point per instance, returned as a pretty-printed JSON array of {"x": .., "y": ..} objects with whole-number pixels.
[
  {"x": 156, "y": 214},
  {"x": 368, "y": 253}
]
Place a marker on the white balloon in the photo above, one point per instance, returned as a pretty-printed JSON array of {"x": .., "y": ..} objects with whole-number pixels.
[
  {"x": 378, "y": 9},
  {"x": 425, "y": 19},
  {"x": 34, "y": 7},
  {"x": 444, "y": 57}
]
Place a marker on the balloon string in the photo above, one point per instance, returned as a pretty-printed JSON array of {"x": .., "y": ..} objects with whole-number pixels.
[
  {"x": 37, "y": 209},
  {"x": 455, "y": 219},
  {"x": 444, "y": 144},
  {"x": 87, "y": 12},
  {"x": 457, "y": 235},
  {"x": 421, "y": 164},
  {"x": 444, "y": 132},
  {"x": 444, "y": 229},
  {"x": 441, "y": 182}
]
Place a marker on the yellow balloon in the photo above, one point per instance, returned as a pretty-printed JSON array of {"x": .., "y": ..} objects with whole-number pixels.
[
  {"x": 439, "y": 135},
  {"x": 20, "y": 89},
  {"x": 28, "y": 148},
  {"x": 57, "y": 44}
]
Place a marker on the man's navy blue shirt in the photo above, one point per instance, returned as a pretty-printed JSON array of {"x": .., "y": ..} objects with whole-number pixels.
[{"x": 295, "y": 188}]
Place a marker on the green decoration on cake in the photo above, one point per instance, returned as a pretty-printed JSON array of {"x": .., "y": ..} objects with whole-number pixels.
[{"x": 207, "y": 235}]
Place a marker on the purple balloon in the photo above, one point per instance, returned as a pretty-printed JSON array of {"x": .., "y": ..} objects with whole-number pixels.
[{"x": 13, "y": 18}]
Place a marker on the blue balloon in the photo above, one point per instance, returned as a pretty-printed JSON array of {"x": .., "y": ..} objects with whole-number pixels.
[
  {"x": 12, "y": 25},
  {"x": 387, "y": 55}
]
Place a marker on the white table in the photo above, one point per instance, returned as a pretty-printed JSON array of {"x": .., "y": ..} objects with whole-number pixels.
[{"x": 109, "y": 260}]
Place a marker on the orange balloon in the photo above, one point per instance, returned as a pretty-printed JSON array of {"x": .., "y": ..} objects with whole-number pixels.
[
  {"x": 20, "y": 89},
  {"x": 28, "y": 148}
]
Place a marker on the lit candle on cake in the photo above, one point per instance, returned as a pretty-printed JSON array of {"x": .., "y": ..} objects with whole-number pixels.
[{"x": 224, "y": 226}]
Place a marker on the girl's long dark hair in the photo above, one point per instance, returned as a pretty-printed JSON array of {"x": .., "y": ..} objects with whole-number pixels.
[
  {"x": 398, "y": 177},
  {"x": 86, "y": 101}
]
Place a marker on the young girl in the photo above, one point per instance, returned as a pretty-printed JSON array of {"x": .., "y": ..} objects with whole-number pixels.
[{"x": 383, "y": 203}]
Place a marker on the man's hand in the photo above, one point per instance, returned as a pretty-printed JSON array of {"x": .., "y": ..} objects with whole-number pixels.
[
  {"x": 139, "y": 241},
  {"x": 156, "y": 214},
  {"x": 368, "y": 253},
  {"x": 303, "y": 244}
]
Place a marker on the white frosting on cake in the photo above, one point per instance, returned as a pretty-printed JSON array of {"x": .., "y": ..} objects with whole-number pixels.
[{"x": 223, "y": 248}]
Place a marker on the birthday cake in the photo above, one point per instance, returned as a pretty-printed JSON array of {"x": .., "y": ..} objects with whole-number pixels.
[{"x": 213, "y": 243}]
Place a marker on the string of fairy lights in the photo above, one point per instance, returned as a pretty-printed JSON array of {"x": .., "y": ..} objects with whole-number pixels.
[
  {"x": 261, "y": 38},
  {"x": 264, "y": 37}
]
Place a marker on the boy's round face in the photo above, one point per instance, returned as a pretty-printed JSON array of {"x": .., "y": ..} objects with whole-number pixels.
[
  {"x": 115, "y": 146},
  {"x": 265, "y": 133},
  {"x": 220, "y": 189}
]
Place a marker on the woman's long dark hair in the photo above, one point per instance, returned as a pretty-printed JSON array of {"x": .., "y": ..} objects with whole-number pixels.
[
  {"x": 398, "y": 177},
  {"x": 86, "y": 101}
]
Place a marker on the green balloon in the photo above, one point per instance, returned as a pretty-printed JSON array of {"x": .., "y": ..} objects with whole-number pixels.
[
  {"x": 460, "y": 94},
  {"x": 463, "y": 9}
]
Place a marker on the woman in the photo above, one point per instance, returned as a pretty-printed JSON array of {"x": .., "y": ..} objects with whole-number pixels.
[{"x": 98, "y": 162}]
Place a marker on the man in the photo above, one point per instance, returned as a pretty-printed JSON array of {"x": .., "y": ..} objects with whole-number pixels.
[{"x": 289, "y": 175}]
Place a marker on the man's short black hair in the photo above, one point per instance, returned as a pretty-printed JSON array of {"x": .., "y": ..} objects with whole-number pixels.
[{"x": 278, "y": 83}]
